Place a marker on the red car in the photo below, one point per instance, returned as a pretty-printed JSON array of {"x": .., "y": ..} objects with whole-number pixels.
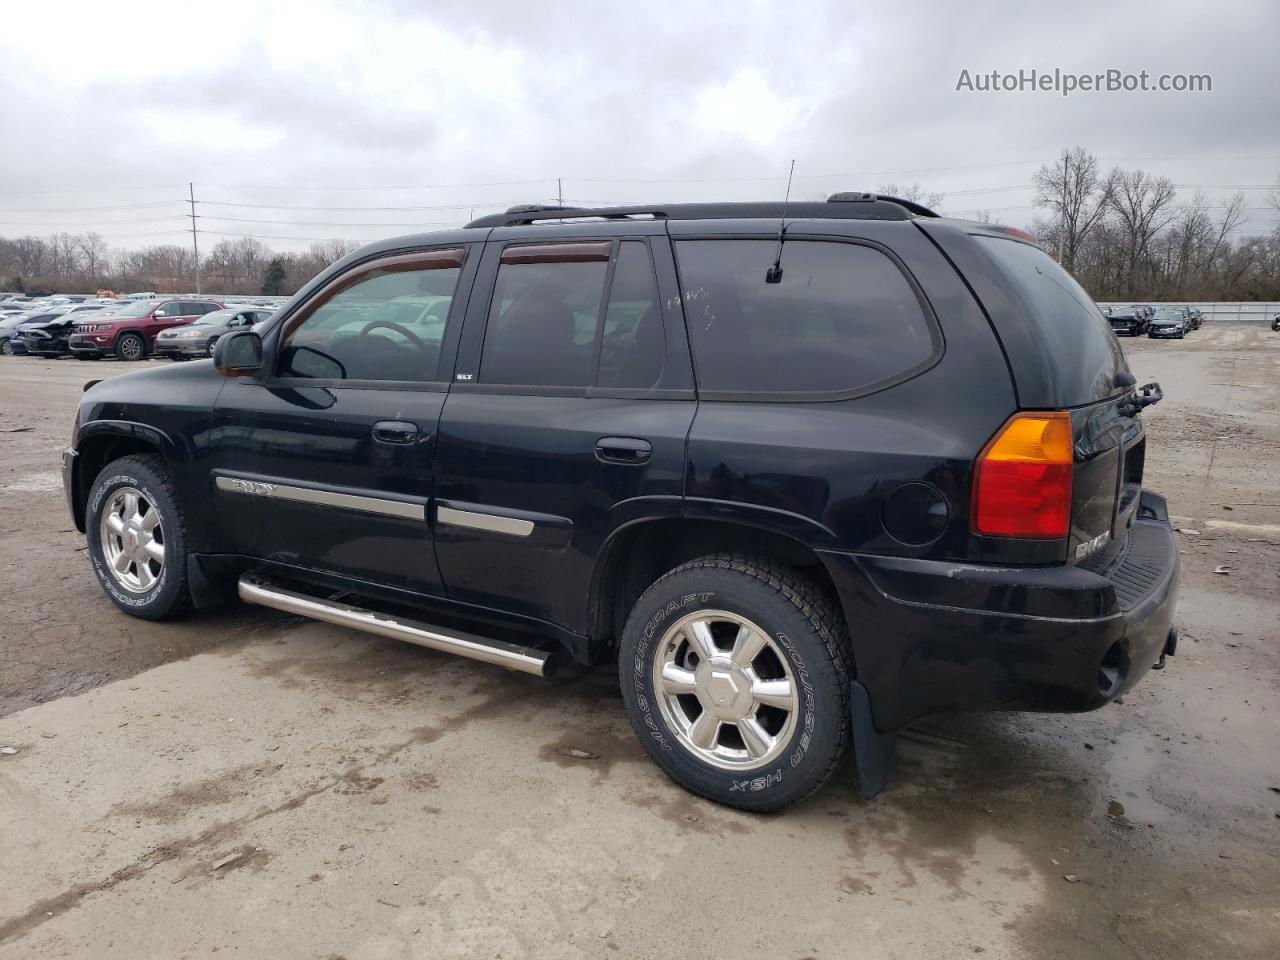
[{"x": 130, "y": 334}]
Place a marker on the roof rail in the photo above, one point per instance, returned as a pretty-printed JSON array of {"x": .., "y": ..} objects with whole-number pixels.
[
  {"x": 919, "y": 209},
  {"x": 840, "y": 206}
]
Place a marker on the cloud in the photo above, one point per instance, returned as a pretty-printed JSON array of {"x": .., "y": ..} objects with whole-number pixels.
[{"x": 622, "y": 102}]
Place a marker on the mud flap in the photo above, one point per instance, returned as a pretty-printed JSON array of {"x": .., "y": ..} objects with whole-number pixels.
[{"x": 873, "y": 751}]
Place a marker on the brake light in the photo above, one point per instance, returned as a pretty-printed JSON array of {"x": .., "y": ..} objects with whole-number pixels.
[{"x": 1022, "y": 484}]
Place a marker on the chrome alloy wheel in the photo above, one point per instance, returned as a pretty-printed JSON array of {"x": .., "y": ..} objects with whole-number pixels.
[
  {"x": 132, "y": 540},
  {"x": 726, "y": 689}
]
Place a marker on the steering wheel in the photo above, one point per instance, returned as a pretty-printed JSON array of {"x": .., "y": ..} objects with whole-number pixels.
[{"x": 392, "y": 325}]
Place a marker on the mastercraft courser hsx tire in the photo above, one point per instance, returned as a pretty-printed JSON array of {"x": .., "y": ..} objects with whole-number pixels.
[
  {"x": 735, "y": 676},
  {"x": 137, "y": 538}
]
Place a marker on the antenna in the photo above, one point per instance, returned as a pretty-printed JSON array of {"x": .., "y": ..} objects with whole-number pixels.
[{"x": 774, "y": 273}]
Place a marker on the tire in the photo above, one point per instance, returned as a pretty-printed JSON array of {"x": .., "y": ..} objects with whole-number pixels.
[
  {"x": 131, "y": 347},
  {"x": 805, "y": 650},
  {"x": 6, "y": 348},
  {"x": 162, "y": 593},
  {"x": 213, "y": 343}
]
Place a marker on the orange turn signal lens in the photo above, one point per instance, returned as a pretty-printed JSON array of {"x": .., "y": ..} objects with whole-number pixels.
[{"x": 1022, "y": 482}]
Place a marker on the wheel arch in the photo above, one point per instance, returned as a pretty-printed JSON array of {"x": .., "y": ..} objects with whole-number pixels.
[
  {"x": 638, "y": 553},
  {"x": 120, "y": 334},
  {"x": 102, "y": 441}
]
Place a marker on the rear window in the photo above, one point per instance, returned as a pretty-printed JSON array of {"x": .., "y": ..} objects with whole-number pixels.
[
  {"x": 1073, "y": 331},
  {"x": 843, "y": 319}
]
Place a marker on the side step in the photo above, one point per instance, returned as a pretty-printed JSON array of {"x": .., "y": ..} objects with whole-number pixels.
[{"x": 540, "y": 663}]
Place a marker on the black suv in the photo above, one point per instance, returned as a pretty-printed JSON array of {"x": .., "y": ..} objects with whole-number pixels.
[{"x": 805, "y": 475}]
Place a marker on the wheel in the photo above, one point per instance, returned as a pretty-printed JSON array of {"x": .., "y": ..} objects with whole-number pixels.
[
  {"x": 131, "y": 347},
  {"x": 213, "y": 343},
  {"x": 735, "y": 676},
  {"x": 137, "y": 538},
  {"x": 6, "y": 348}
]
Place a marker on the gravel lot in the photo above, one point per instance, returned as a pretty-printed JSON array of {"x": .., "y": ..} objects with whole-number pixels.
[{"x": 255, "y": 783}]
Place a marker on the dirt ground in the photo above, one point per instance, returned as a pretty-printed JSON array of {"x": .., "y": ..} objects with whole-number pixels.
[{"x": 257, "y": 784}]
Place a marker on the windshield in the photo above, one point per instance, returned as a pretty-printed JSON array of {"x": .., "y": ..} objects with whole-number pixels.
[
  {"x": 138, "y": 308},
  {"x": 1167, "y": 315},
  {"x": 216, "y": 318}
]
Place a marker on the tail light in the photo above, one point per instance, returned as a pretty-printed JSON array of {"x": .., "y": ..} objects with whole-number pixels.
[{"x": 1022, "y": 484}]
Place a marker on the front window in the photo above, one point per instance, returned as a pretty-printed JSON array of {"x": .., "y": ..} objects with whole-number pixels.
[{"x": 387, "y": 325}]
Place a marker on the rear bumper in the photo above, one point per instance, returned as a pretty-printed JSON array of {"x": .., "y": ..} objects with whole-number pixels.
[{"x": 935, "y": 636}]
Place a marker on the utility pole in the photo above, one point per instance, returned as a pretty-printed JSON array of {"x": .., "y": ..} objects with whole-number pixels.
[{"x": 195, "y": 243}]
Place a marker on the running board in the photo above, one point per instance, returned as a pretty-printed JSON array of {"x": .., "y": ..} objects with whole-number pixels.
[{"x": 540, "y": 663}]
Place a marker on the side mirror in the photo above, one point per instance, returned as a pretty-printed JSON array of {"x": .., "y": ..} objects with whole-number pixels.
[{"x": 238, "y": 354}]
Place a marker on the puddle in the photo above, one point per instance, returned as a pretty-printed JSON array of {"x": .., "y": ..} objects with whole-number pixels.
[{"x": 1128, "y": 773}]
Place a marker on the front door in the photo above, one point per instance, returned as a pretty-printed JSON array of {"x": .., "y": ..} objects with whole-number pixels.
[
  {"x": 327, "y": 464},
  {"x": 567, "y": 418}
]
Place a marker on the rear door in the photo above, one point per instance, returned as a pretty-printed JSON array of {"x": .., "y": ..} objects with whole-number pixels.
[
  {"x": 328, "y": 463},
  {"x": 567, "y": 417}
]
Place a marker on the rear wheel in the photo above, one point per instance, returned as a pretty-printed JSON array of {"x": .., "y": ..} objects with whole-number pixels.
[
  {"x": 137, "y": 538},
  {"x": 735, "y": 675},
  {"x": 131, "y": 347}
]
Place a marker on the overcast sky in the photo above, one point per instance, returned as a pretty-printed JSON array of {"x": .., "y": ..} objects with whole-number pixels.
[{"x": 275, "y": 107}]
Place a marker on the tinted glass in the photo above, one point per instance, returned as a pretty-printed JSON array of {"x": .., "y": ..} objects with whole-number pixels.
[
  {"x": 387, "y": 326},
  {"x": 1075, "y": 335},
  {"x": 632, "y": 346},
  {"x": 542, "y": 323},
  {"x": 842, "y": 318}
]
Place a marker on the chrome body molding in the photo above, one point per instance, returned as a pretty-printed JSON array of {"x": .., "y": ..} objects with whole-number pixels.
[
  {"x": 540, "y": 663},
  {"x": 324, "y": 498},
  {"x": 513, "y": 526}
]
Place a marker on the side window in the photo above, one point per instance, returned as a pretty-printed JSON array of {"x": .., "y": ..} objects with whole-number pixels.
[
  {"x": 632, "y": 345},
  {"x": 552, "y": 322},
  {"x": 843, "y": 317},
  {"x": 385, "y": 323},
  {"x": 169, "y": 310},
  {"x": 543, "y": 315}
]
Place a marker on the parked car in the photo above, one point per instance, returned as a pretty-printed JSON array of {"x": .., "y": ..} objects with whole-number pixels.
[
  {"x": 48, "y": 338},
  {"x": 198, "y": 338},
  {"x": 130, "y": 332},
  {"x": 14, "y": 345},
  {"x": 8, "y": 330},
  {"x": 1167, "y": 323},
  {"x": 1127, "y": 321},
  {"x": 799, "y": 492},
  {"x": 1190, "y": 316}
]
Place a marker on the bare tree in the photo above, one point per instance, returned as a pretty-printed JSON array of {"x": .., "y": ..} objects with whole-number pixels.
[
  {"x": 93, "y": 256},
  {"x": 1078, "y": 197},
  {"x": 914, "y": 193},
  {"x": 1143, "y": 205}
]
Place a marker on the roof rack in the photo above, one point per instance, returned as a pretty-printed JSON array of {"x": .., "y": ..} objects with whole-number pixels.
[{"x": 839, "y": 206}]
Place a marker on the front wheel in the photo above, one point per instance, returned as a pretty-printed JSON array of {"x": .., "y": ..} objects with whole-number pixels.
[
  {"x": 735, "y": 676},
  {"x": 6, "y": 348},
  {"x": 212, "y": 347},
  {"x": 131, "y": 347},
  {"x": 137, "y": 538}
]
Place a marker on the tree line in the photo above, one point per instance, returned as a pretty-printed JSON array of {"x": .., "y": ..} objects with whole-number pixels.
[
  {"x": 83, "y": 263},
  {"x": 1123, "y": 233}
]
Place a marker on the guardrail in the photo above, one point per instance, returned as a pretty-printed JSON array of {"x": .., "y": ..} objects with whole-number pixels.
[{"x": 1243, "y": 311}]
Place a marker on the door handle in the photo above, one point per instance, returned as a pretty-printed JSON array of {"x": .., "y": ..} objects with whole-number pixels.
[
  {"x": 623, "y": 450},
  {"x": 395, "y": 431}
]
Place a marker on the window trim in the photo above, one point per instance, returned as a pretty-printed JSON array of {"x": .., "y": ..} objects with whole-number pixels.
[
  {"x": 936, "y": 335},
  {"x": 576, "y": 255},
  {"x": 445, "y": 257}
]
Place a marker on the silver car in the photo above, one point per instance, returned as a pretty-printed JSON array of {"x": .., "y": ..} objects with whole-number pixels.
[{"x": 198, "y": 339}]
